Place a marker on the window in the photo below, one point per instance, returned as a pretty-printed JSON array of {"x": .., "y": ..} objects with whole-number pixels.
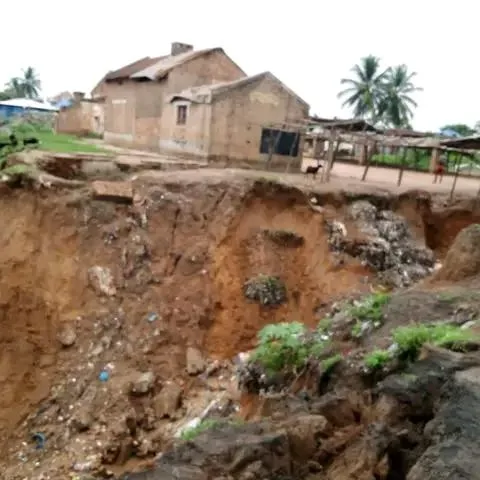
[
  {"x": 283, "y": 143},
  {"x": 181, "y": 114}
]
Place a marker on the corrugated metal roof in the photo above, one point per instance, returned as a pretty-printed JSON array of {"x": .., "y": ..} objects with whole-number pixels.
[
  {"x": 164, "y": 64},
  {"x": 205, "y": 93},
  {"x": 28, "y": 103},
  {"x": 131, "y": 68}
]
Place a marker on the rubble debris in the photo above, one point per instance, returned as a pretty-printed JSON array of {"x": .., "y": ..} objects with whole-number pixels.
[
  {"x": 266, "y": 290},
  {"x": 121, "y": 192},
  {"x": 387, "y": 247},
  {"x": 67, "y": 335},
  {"x": 143, "y": 384},
  {"x": 101, "y": 280},
  {"x": 284, "y": 238},
  {"x": 168, "y": 401},
  {"x": 195, "y": 361}
]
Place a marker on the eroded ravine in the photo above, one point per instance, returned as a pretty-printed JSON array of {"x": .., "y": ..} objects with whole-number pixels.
[{"x": 176, "y": 282}]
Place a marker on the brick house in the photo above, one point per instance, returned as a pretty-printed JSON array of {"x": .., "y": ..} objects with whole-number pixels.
[
  {"x": 84, "y": 116},
  {"x": 235, "y": 121},
  {"x": 135, "y": 94},
  {"x": 201, "y": 103}
]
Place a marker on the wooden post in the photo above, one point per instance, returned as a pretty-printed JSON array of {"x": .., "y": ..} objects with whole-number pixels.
[
  {"x": 457, "y": 170},
  {"x": 402, "y": 166},
  {"x": 434, "y": 159},
  {"x": 368, "y": 160},
  {"x": 330, "y": 155}
]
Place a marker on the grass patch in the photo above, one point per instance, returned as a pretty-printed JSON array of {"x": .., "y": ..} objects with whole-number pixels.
[
  {"x": 377, "y": 359},
  {"x": 411, "y": 339},
  {"x": 286, "y": 346},
  {"x": 324, "y": 325},
  {"x": 371, "y": 308},
  {"x": 329, "y": 363},
  {"x": 62, "y": 143},
  {"x": 203, "y": 426}
]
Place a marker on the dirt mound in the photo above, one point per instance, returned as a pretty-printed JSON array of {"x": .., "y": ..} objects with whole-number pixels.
[{"x": 463, "y": 258}]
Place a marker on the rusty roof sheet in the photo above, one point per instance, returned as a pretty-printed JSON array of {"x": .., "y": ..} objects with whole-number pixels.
[
  {"x": 205, "y": 93},
  {"x": 131, "y": 68},
  {"x": 163, "y": 65}
]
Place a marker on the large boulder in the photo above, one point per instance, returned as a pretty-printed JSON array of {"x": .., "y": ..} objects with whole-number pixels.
[
  {"x": 463, "y": 257},
  {"x": 454, "y": 433}
]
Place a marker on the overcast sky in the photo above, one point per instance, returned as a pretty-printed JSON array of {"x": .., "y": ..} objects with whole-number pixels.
[{"x": 309, "y": 44}]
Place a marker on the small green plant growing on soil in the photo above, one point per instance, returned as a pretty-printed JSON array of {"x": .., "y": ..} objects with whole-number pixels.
[
  {"x": 329, "y": 363},
  {"x": 286, "y": 345},
  {"x": 203, "y": 426},
  {"x": 410, "y": 339},
  {"x": 324, "y": 325},
  {"x": 377, "y": 359},
  {"x": 266, "y": 290},
  {"x": 357, "y": 329},
  {"x": 371, "y": 308}
]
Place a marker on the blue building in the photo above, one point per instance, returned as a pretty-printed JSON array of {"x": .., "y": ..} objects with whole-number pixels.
[{"x": 21, "y": 106}]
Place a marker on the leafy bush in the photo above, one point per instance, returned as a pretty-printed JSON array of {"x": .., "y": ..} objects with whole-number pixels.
[
  {"x": 371, "y": 308},
  {"x": 377, "y": 359},
  {"x": 410, "y": 339},
  {"x": 286, "y": 345},
  {"x": 324, "y": 325}
]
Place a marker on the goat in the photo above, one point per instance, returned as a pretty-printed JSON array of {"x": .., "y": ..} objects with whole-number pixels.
[{"x": 313, "y": 170}]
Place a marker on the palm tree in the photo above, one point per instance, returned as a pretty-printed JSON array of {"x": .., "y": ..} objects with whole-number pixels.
[
  {"x": 396, "y": 106},
  {"x": 31, "y": 83},
  {"x": 27, "y": 86},
  {"x": 14, "y": 88},
  {"x": 365, "y": 90}
]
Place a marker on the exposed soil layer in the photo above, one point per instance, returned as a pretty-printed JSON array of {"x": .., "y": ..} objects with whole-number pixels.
[{"x": 137, "y": 284}]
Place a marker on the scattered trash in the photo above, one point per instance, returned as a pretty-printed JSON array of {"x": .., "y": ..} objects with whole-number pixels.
[
  {"x": 39, "y": 439},
  {"x": 151, "y": 317},
  {"x": 104, "y": 376}
]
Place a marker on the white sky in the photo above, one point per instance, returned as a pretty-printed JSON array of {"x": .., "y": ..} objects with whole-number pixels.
[{"x": 309, "y": 44}]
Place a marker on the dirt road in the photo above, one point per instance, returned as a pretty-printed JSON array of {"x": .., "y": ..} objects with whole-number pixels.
[{"x": 387, "y": 177}]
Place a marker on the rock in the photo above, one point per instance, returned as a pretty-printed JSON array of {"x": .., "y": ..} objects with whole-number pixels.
[
  {"x": 67, "y": 335},
  {"x": 454, "y": 433},
  {"x": 121, "y": 192},
  {"x": 463, "y": 257},
  {"x": 101, "y": 280},
  {"x": 303, "y": 432},
  {"x": 83, "y": 419},
  {"x": 143, "y": 384},
  {"x": 168, "y": 401},
  {"x": 340, "y": 409},
  {"x": 195, "y": 361},
  {"x": 222, "y": 451}
]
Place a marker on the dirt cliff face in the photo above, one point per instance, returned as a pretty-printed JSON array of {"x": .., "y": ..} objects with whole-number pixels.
[{"x": 94, "y": 287}]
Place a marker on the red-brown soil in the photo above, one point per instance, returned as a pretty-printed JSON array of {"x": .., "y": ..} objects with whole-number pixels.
[{"x": 187, "y": 265}]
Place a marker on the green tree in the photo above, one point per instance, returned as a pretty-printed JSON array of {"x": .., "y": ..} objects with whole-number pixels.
[
  {"x": 14, "y": 88},
  {"x": 31, "y": 83},
  {"x": 460, "y": 128},
  {"x": 396, "y": 106},
  {"x": 27, "y": 86},
  {"x": 365, "y": 90}
]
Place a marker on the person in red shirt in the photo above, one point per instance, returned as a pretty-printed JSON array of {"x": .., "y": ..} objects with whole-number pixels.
[{"x": 439, "y": 169}]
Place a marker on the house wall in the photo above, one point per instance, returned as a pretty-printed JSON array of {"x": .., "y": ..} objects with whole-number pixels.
[
  {"x": 134, "y": 110},
  {"x": 239, "y": 116},
  {"x": 191, "y": 139},
  {"x": 81, "y": 118}
]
